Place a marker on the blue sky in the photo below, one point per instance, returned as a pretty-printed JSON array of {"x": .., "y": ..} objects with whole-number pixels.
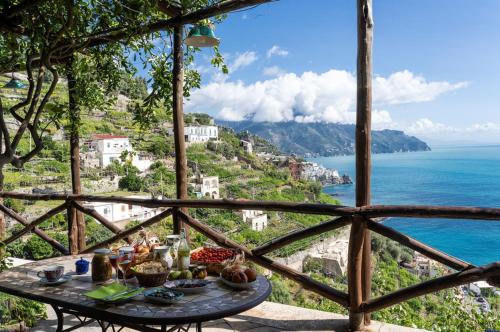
[{"x": 436, "y": 62}]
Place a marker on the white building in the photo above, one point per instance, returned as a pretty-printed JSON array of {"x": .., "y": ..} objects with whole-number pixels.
[
  {"x": 207, "y": 186},
  {"x": 122, "y": 213},
  {"x": 247, "y": 146},
  {"x": 198, "y": 134},
  {"x": 108, "y": 148},
  {"x": 257, "y": 218},
  {"x": 424, "y": 266},
  {"x": 316, "y": 172}
]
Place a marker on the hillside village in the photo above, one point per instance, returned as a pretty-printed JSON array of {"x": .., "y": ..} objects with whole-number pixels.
[
  {"x": 120, "y": 158},
  {"x": 117, "y": 157}
]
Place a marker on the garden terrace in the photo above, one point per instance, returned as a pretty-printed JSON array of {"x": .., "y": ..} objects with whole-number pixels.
[{"x": 358, "y": 298}]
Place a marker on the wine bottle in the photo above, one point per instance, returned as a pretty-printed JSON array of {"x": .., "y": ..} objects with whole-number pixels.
[{"x": 183, "y": 253}]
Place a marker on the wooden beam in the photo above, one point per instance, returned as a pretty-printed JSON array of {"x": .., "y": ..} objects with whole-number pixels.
[
  {"x": 101, "y": 219},
  {"x": 354, "y": 273},
  {"x": 487, "y": 272},
  {"x": 231, "y": 204},
  {"x": 300, "y": 234},
  {"x": 72, "y": 230},
  {"x": 416, "y": 211},
  {"x": 301, "y": 278},
  {"x": 363, "y": 163},
  {"x": 161, "y": 25},
  {"x": 55, "y": 244},
  {"x": 373, "y": 211},
  {"x": 74, "y": 150},
  {"x": 416, "y": 245},
  {"x": 130, "y": 231},
  {"x": 36, "y": 222},
  {"x": 178, "y": 123}
]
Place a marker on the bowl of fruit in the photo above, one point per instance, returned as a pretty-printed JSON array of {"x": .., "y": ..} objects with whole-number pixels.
[
  {"x": 238, "y": 276},
  {"x": 213, "y": 258}
]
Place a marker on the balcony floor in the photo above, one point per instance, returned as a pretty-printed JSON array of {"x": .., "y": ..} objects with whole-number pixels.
[{"x": 268, "y": 316}]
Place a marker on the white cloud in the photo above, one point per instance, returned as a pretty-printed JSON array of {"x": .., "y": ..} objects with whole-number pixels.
[
  {"x": 243, "y": 60},
  {"x": 439, "y": 132},
  {"x": 405, "y": 87},
  {"x": 276, "y": 50},
  {"x": 273, "y": 71},
  {"x": 426, "y": 126},
  {"x": 484, "y": 127},
  {"x": 311, "y": 97}
]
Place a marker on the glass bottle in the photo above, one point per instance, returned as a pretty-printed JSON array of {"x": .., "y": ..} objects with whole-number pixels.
[{"x": 183, "y": 253}]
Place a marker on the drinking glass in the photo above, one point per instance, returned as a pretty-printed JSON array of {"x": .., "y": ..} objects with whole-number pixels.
[
  {"x": 113, "y": 258},
  {"x": 124, "y": 262}
]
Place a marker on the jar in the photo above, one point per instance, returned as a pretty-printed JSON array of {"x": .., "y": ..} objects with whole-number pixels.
[
  {"x": 82, "y": 266},
  {"x": 173, "y": 243},
  {"x": 129, "y": 252},
  {"x": 200, "y": 272},
  {"x": 162, "y": 254},
  {"x": 101, "y": 266}
]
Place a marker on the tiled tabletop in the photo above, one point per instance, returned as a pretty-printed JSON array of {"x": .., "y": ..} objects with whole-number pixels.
[{"x": 216, "y": 302}]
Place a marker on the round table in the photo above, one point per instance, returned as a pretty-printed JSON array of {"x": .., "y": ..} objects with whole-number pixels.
[{"x": 218, "y": 301}]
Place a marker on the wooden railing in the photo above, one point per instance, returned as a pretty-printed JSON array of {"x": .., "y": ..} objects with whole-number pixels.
[{"x": 342, "y": 216}]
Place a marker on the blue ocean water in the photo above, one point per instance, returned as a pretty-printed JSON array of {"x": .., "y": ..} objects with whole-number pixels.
[{"x": 457, "y": 176}]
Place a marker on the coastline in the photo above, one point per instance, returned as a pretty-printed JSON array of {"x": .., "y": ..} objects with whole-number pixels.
[{"x": 453, "y": 176}]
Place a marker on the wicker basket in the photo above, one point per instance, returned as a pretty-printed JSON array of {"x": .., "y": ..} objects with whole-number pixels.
[{"x": 149, "y": 279}]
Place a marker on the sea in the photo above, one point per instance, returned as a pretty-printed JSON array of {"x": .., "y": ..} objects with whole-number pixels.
[{"x": 453, "y": 176}]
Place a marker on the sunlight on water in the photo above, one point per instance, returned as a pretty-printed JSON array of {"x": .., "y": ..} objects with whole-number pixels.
[{"x": 460, "y": 176}]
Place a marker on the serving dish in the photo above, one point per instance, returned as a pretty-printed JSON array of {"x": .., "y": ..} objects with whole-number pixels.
[
  {"x": 188, "y": 286},
  {"x": 236, "y": 285},
  {"x": 162, "y": 295}
]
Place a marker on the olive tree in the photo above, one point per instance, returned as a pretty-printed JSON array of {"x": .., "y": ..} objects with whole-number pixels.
[{"x": 93, "y": 42}]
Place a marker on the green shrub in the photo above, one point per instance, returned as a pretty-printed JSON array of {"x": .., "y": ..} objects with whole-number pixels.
[
  {"x": 15, "y": 309},
  {"x": 280, "y": 292},
  {"x": 36, "y": 248},
  {"x": 131, "y": 182}
]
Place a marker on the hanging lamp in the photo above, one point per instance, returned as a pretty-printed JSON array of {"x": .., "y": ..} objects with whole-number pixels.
[{"x": 202, "y": 36}]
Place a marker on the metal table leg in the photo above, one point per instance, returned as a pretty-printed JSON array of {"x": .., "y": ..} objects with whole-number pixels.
[{"x": 60, "y": 318}]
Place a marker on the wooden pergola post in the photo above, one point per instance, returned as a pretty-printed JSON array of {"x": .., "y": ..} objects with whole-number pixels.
[
  {"x": 359, "y": 271},
  {"x": 178, "y": 119},
  {"x": 76, "y": 221}
]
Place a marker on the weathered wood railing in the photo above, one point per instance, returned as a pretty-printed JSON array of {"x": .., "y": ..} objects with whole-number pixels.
[{"x": 360, "y": 217}]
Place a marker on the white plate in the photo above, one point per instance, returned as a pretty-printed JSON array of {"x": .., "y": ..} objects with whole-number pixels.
[
  {"x": 174, "y": 284},
  {"x": 238, "y": 286},
  {"x": 62, "y": 280}
]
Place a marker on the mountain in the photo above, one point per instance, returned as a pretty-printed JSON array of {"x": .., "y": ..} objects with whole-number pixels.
[{"x": 325, "y": 139}]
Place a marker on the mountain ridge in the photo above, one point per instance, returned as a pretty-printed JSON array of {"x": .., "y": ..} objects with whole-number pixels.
[{"x": 325, "y": 139}]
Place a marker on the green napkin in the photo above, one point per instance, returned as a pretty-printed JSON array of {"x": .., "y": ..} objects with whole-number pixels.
[{"x": 103, "y": 292}]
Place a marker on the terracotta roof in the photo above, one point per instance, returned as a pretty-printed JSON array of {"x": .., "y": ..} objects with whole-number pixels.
[{"x": 107, "y": 136}]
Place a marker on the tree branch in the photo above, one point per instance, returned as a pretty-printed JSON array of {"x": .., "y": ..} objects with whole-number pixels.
[
  {"x": 160, "y": 25},
  {"x": 31, "y": 88},
  {"x": 26, "y": 120},
  {"x": 17, "y": 9}
]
